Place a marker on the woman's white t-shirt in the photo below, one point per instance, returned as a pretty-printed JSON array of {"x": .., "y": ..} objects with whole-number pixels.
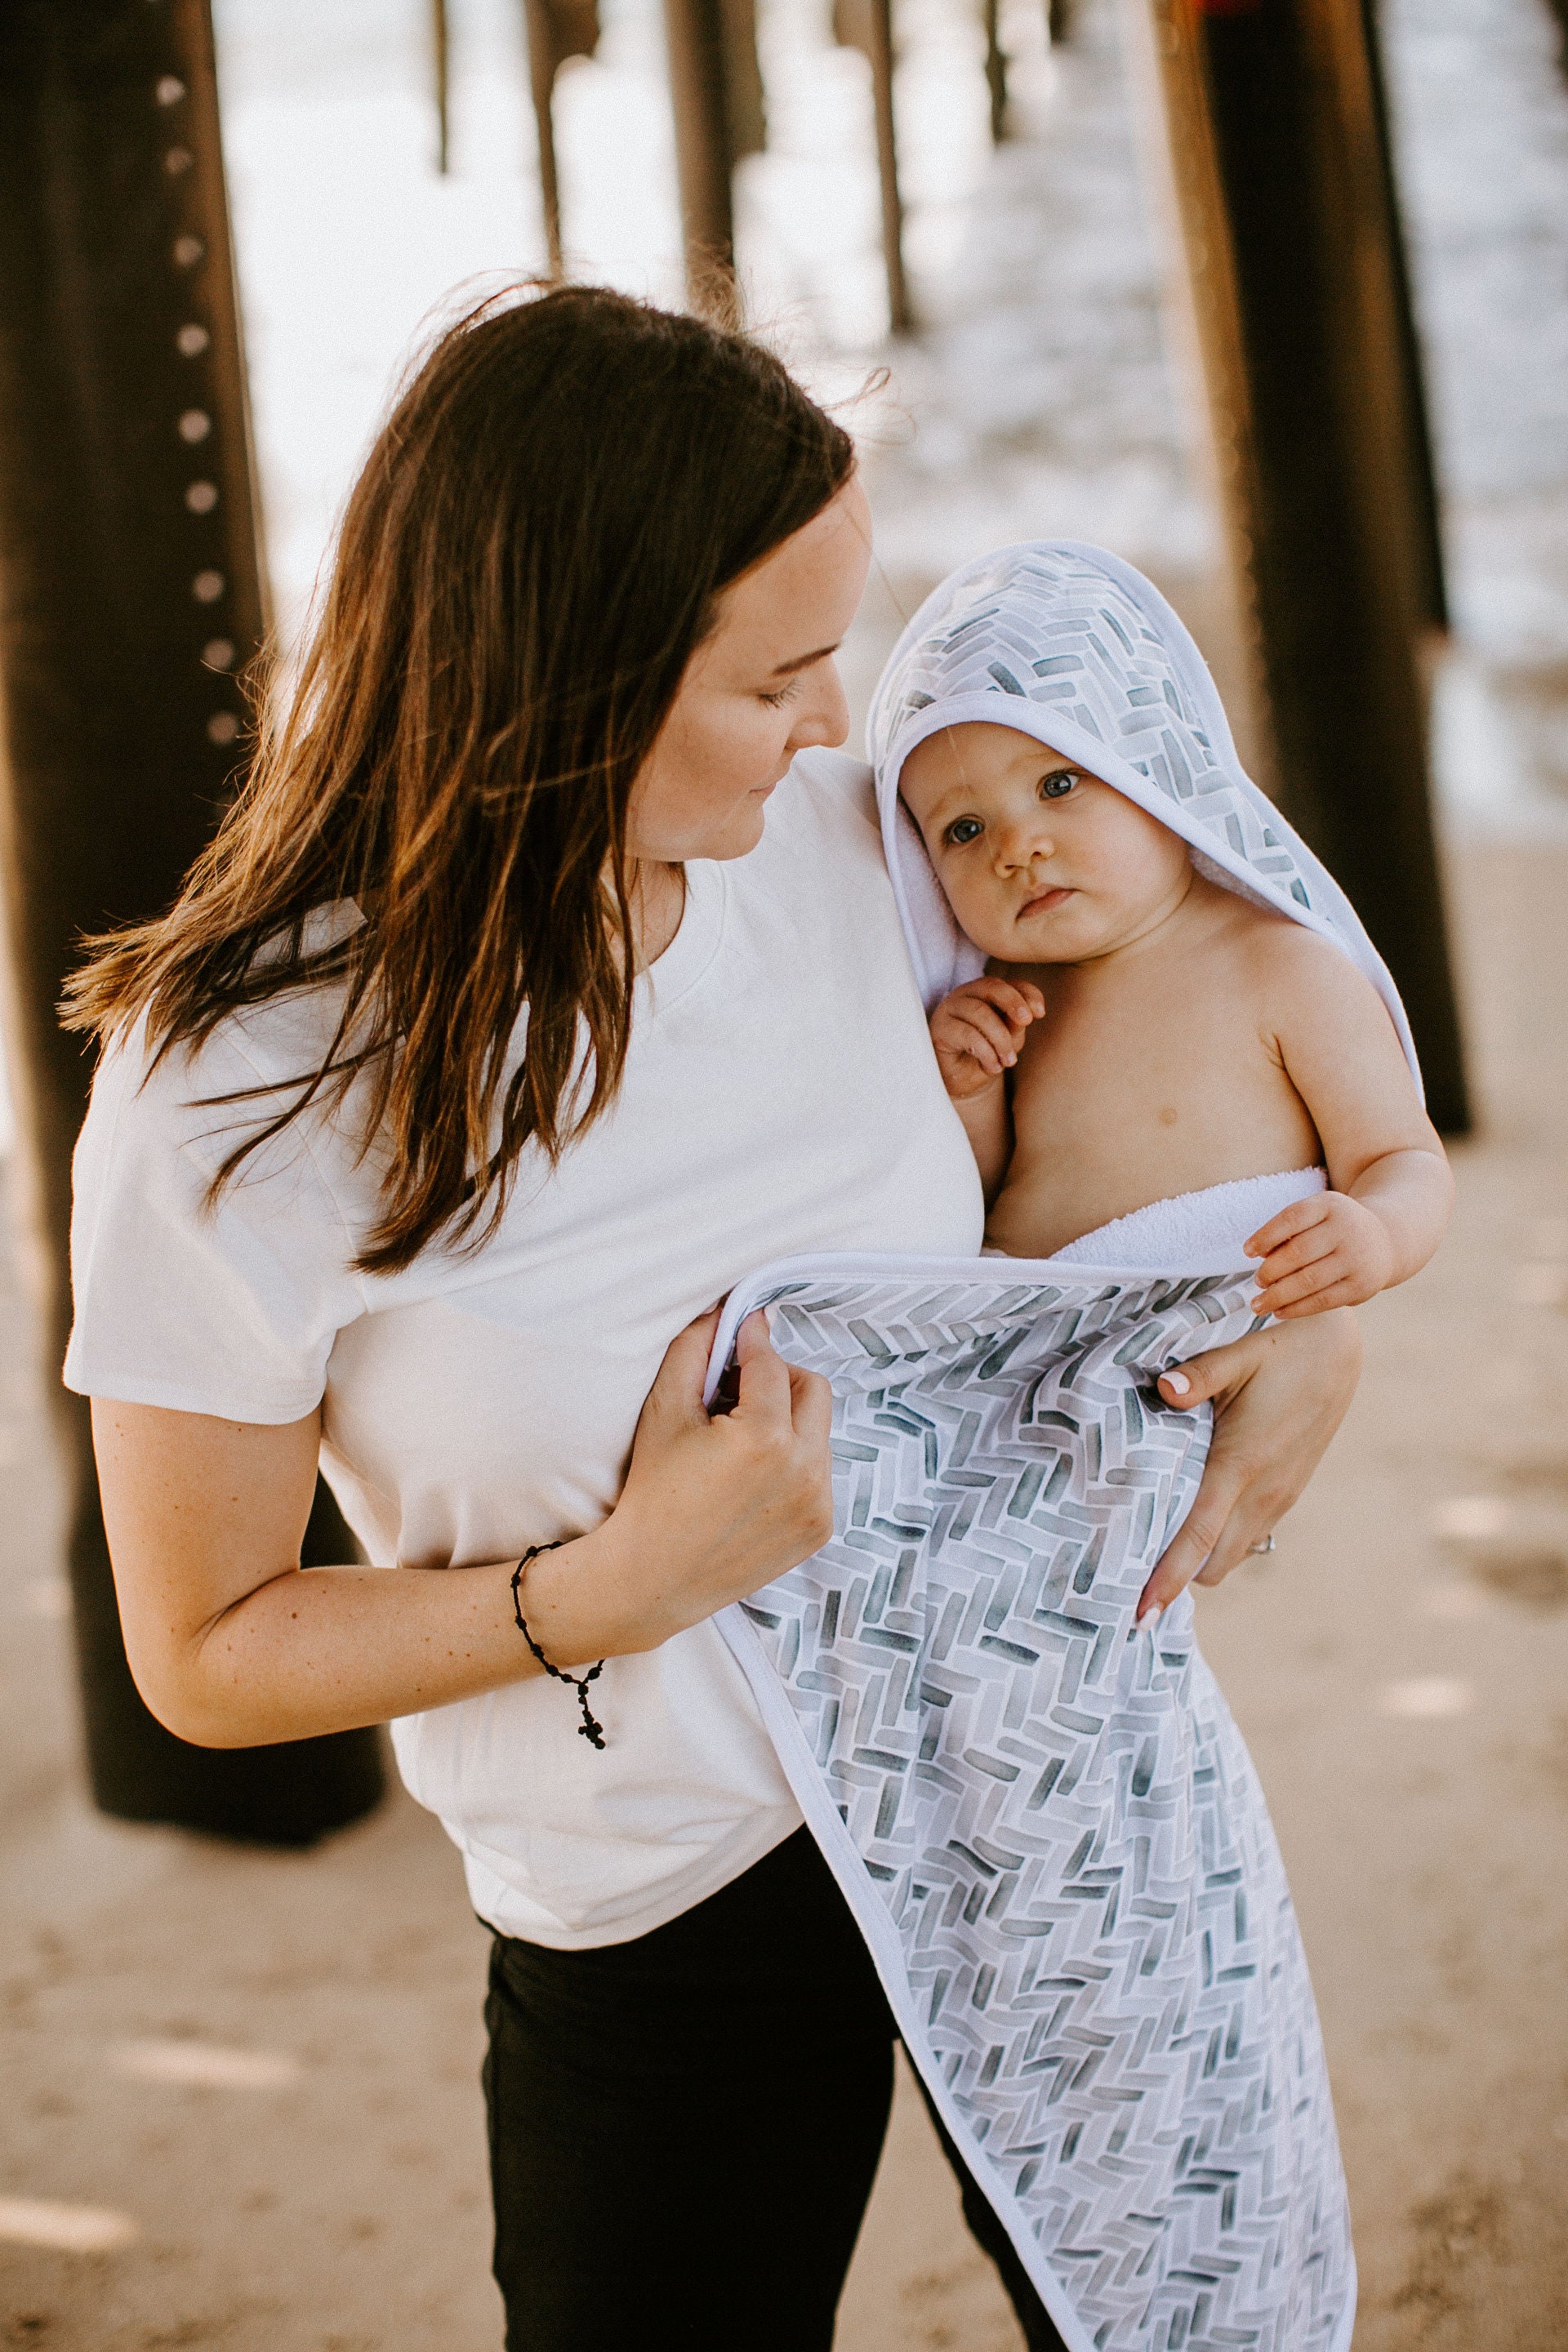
[{"x": 779, "y": 1095}]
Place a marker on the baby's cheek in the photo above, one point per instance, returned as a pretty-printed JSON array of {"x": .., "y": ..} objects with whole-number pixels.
[{"x": 974, "y": 899}]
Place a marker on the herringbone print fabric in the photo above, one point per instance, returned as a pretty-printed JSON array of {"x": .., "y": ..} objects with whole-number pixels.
[{"x": 1098, "y": 1958}]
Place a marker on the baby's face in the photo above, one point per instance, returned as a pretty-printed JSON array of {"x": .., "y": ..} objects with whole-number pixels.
[{"x": 1041, "y": 862}]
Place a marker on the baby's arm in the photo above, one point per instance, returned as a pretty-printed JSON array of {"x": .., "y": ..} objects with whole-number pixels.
[
  {"x": 1393, "y": 1189},
  {"x": 976, "y": 1032}
]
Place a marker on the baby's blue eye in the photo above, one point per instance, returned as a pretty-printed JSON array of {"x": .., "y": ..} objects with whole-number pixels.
[
  {"x": 962, "y": 831},
  {"x": 1058, "y": 785}
]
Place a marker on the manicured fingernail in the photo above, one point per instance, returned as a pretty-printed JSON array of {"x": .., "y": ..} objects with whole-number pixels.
[
  {"x": 1177, "y": 1380},
  {"x": 1151, "y": 1617}
]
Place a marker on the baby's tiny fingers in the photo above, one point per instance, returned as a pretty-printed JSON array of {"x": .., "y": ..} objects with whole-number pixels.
[
  {"x": 983, "y": 1020},
  {"x": 1022, "y": 1004},
  {"x": 1298, "y": 1218},
  {"x": 1009, "y": 1000},
  {"x": 1349, "y": 1291},
  {"x": 1289, "y": 1257},
  {"x": 1305, "y": 1284}
]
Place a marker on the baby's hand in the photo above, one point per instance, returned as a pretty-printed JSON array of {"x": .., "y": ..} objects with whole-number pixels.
[
  {"x": 978, "y": 1029},
  {"x": 1327, "y": 1251}
]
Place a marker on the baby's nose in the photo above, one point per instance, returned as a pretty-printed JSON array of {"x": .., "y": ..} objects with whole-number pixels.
[{"x": 1020, "y": 844}]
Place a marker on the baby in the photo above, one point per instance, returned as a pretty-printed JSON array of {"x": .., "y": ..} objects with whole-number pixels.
[{"x": 1177, "y": 1007}]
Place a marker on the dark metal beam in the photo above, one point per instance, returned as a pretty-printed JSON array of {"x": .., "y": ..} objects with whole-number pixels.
[
  {"x": 1427, "y": 515},
  {"x": 995, "y": 71},
  {"x": 441, "y": 59},
  {"x": 716, "y": 95},
  {"x": 868, "y": 25},
  {"x": 1284, "y": 191},
  {"x": 131, "y": 592},
  {"x": 557, "y": 30}
]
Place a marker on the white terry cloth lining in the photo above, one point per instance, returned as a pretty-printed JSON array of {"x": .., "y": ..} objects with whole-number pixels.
[
  {"x": 1198, "y": 1231},
  {"x": 1025, "y": 1387}
]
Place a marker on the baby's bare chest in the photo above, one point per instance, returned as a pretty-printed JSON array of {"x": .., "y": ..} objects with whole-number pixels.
[{"x": 1114, "y": 1070}]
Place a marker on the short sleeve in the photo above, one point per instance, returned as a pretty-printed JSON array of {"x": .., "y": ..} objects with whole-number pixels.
[{"x": 232, "y": 1307}]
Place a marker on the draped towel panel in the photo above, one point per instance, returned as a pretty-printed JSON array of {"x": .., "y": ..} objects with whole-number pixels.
[{"x": 1045, "y": 1820}]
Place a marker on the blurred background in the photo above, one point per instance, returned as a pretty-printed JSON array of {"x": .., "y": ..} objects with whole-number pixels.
[{"x": 1127, "y": 270}]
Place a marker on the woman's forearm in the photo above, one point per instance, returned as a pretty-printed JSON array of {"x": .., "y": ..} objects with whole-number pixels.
[
  {"x": 233, "y": 1645},
  {"x": 327, "y": 1649}
]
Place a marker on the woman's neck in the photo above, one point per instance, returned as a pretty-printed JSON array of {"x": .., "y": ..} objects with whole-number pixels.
[{"x": 658, "y": 902}]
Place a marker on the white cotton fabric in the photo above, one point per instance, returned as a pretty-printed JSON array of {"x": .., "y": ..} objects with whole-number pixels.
[
  {"x": 780, "y": 1095},
  {"x": 1070, "y": 645}
]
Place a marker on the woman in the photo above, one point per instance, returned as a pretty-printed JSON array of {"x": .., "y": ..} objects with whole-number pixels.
[{"x": 500, "y": 1031}]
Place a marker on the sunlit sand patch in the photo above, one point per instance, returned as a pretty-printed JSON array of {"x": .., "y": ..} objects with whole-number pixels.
[
  {"x": 65, "y": 2229},
  {"x": 205, "y": 2063},
  {"x": 1455, "y": 1604},
  {"x": 47, "y": 1596},
  {"x": 1428, "y": 1697},
  {"x": 1470, "y": 1519}
]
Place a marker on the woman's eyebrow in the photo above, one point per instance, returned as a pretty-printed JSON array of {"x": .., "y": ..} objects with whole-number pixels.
[{"x": 804, "y": 661}]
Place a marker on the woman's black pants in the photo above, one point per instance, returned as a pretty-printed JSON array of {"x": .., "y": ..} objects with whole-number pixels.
[{"x": 684, "y": 2128}]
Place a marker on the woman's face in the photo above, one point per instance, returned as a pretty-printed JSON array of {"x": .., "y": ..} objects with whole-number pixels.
[{"x": 762, "y": 688}]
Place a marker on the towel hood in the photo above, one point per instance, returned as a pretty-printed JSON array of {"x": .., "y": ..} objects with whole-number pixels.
[{"x": 1066, "y": 643}]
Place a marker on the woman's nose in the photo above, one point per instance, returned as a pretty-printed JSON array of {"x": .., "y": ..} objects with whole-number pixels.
[{"x": 824, "y": 715}]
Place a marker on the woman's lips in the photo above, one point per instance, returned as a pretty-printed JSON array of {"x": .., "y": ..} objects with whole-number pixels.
[{"x": 1046, "y": 904}]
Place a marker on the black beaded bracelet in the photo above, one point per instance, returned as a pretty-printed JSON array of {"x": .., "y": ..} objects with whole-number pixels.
[{"x": 588, "y": 1729}]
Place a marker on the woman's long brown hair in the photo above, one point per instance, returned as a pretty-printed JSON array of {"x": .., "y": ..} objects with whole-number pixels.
[{"x": 534, "y": 552}]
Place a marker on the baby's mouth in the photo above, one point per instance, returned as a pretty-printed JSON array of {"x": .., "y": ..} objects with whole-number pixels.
[{"x": 1046, "y": 903}]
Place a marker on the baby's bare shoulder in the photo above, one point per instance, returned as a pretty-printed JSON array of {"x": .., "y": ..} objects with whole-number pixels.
[{"x": 1291, "y": 969}]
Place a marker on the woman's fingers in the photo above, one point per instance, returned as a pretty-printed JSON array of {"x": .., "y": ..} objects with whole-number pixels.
[
  {"x": 778, "y": 1391},
  {"x": 765, "y": 1375},
  {"x": 1214, "y": 1529},
  {"x": 811, "y": 1405},
  {"x": 1216, "y": 1374},
  {"x": 680, "y": 1378},
  {"x": 1280, "y": 1396}
]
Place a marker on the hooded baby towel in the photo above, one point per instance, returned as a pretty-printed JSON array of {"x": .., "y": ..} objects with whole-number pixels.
[{"x": 1044, "y": 1819}]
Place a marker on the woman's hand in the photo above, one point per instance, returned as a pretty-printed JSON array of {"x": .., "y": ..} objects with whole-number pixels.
[
  {"x": 713, "y": 1506},
  {"x": 1279, "y": 1397}
]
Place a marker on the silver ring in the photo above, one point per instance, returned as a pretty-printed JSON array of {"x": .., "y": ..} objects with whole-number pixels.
[{"x": 1267, "y": 1544}]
